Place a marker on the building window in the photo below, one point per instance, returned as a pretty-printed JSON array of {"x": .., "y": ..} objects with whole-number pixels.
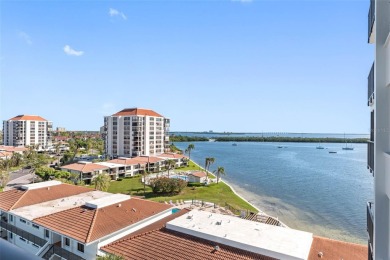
[
  {"x": 67, "y": 241},
  {"x": 80, "y": 247},
  {"x": 22, "y": 220},
  {"x": 35, "y": 245},
  {"x": 47, "y": 233},
  {"x": 35, "y": 226},
  {"x": 21, "y": 238},
  {"x": 11, "y": 235},
  {"x": 11, "y": 218}
]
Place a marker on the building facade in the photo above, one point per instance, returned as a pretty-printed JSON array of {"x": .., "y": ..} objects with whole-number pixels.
[
  {"x": 24, "y": 130},
  {"x": 135, "y": 132},
  {"x": 378, "y": 211}
]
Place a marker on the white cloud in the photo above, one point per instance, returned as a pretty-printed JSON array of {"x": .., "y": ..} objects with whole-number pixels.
[
  {"x": 24, "y": 36},
  {"x": 68, "y": 50},
  {"x": 114, "y": 12}
]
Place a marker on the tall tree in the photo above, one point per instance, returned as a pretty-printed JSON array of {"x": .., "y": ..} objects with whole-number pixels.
[
  {"x": 220, "y": 171},
  {"x": 33, "y": 160},
  {"x": 208, "y": 162},
  {"x": 102, "y": 182},
  {"x": 189, "y": 149},
  {"x": 169, "y": 164}
]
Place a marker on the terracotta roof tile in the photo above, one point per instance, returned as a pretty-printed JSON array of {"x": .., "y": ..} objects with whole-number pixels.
[
  {"x": 198, "y": 174},
  {"x": 333, "y": 249},
  {"x": 85, "y": 224},
  {"x": 27, "y": 117},
  {"x": 127, "y": 161},
  {"x": 146, "y": 159},
  {"x": 9, "y": 198},
  {"x": 166, "y": 244},
  {"x": 84, "y": 167},
  {"x": 14, "y": 199},
  {"x": 137, "y": 112},
  {"x": 172, "y": 155}
]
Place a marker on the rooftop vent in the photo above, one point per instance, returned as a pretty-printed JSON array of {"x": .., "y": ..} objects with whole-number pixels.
[
  {"x": 320, "y": 254},
  {"x": 219, "y": 223},
  {"x": 133, "y": 209},
  {"x": 189, "y": 217},
  {"x": 216, "y": 248},
  {"x": 119, "y": 205}
]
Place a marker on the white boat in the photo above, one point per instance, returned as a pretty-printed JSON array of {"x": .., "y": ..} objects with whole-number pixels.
[{"x": 349, "y": 148}]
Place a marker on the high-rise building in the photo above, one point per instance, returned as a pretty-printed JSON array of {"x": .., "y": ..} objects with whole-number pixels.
[
  {"x": 24, "y": 130},
  {"x": 378, "y": 211},
  {"x": 136, "y": 132}
]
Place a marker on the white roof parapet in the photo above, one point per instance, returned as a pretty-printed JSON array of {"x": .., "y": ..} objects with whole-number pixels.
[
  {"x": 107, "y": 201},
  {"x": 110, "y": 164},
  {"x": 264, "y": 239},
  {"x": 40, "y": 185}
]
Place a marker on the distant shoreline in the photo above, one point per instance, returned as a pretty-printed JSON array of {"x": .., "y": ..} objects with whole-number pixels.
[{"x": 183, "y": 138}]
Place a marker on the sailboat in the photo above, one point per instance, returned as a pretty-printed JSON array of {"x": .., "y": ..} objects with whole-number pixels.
[
  {"x": 319, "y": 146},
  {"x": 350, "y": 148}
]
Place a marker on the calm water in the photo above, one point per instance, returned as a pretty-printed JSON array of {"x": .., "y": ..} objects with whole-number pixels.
[
  {"x": 306, "y": 188},
  {"x": 281, "y": 134}
]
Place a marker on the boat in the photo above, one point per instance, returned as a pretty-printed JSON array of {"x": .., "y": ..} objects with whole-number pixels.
[
  {"x": 234, "y": 144},
  {"x": 320, "y": 147},
  {"x": 348, "y": 148},
  {"x": 280, "y": 146},
  {"x": 332, "y": 152}
]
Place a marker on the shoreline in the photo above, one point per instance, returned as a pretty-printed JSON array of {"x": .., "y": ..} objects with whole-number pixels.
[
  {"x": 240, "y": 196},
  {"x": 287, "y": 214}
]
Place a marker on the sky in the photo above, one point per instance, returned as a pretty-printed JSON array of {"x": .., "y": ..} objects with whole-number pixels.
[{"x": 236, "y": 66}]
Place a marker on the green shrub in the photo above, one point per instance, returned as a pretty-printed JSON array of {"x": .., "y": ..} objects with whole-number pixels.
[{"x": 167, "y": 185}]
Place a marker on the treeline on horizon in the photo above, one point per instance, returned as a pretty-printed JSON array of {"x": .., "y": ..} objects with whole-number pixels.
[{"x": 181, "y": 138}]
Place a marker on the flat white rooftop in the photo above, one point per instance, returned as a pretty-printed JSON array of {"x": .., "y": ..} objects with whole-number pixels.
[
  {"x": 40, "y": 185},
  {"x": 107, "y": 200},
  {"x": 268, "y": 240},
  {"x": 111, "y": 165},
  {"x": 54, "y": 206}
]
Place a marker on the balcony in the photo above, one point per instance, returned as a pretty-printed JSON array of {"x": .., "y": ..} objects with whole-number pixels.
[
  {"x": 20, "y": 232},
  {"x": 370, "y": 225},
  {"x": 370, "y": 156},
  {"x": 371, "y": 84},
  {"x": 59, "y": 251},
  {"x": 371, "y": 22}
]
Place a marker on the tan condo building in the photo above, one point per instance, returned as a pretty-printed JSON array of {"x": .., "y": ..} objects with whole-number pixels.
[
  {"x": 135, "y": 132},
  {"x": 24, "y": 130}
]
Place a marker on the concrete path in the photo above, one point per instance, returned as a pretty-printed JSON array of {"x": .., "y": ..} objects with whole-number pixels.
[{"x": 21, "y": 180}]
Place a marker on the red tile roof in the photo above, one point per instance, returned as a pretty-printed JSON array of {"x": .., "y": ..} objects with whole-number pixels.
[
  {"x": 172, "y": 155},
  {"x": 18, "y": 198},
  {"x": 84, "y": 167},
  {"x": 86, "y": 224},
  {"x": 150, "y": 159},
  {"x": 198, "y": 174},
  {"x": 166, "y": 244},
  {"x": 13, "y": 148},
  {"x": 27, "y": 117},
  {"x": 127, "y": 161},
  {"x": 333, "y": 249},
  {"x": 9, "y": 198},
  {"x": 5, "y": 154},
  {"x": 137, "y": 112}
]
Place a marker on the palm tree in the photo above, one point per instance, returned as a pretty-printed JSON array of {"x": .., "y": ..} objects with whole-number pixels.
[
  {"x": 220, "y": 171},
  {"x": 209, "y": 161},
  {"x": 189, "y": 149},
  {"x": 102, "y": 182},
  {"x": 169, "y": 164},
  {"x": 4, "y": 172},
  {"x": 57, "y": 147},
  {"x": 16, "y": 159}
]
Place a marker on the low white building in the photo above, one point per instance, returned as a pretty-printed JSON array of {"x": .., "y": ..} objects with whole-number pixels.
[
  {"x": 197, "y": 177},
  {"x": 33, "y": 218}
]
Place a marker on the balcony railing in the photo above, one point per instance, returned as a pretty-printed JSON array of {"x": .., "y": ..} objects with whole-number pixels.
[
  {"x": 370, "y": 156},
  {"x": 61, "y": 252},
  {"x": 370, "y": 224},
  {"x": 371, "y": 18},
  {"x": 371, "y": 84},
  {"x": 24, "y": 234}
]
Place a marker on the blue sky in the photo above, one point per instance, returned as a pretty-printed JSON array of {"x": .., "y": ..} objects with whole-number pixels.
[{"x": 248, "y": 66}]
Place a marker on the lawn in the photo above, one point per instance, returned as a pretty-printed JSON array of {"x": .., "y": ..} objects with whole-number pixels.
[{"x": 218, "y": 193}]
